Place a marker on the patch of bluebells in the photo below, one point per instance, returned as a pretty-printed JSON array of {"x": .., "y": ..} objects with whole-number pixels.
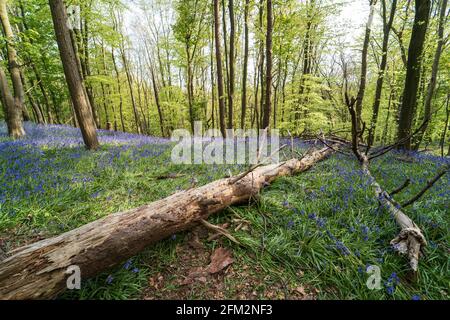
[
  {"x": 392, "y": 283},
  {"x": 46, "y": 161}
]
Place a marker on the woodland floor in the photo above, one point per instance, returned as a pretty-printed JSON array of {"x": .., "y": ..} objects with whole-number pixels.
[{"x": 310, "y": 236}]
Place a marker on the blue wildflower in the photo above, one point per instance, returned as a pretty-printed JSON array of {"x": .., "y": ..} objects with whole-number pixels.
[
  {"x": 127, "y": 264},
  {"x": 415, "y": 297},
  {"x": 110, "y": 279}
]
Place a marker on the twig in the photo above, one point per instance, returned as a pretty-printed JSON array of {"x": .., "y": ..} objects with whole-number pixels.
[
  {"x": 219, "y": 230},
  {"x": 399, "y": 189},
  {"x": 331, "y": 147},
  {"x": 244, "y": 174},
  {"x": 428, "y": 186}
]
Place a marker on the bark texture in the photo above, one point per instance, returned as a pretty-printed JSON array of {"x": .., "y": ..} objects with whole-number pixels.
[{"x": 73, "y": 76}]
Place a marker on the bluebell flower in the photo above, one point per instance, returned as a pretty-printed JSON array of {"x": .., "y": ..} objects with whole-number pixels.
[
  {"x": 312, "y": 216},
  {"x": 110, "y": 279},
  {"x": 135, "y": 270},
  {"x": 127, "y": 264},
  {"x": 390, "y": 290},
  {"x": 290, "y": 224},
  {"x": 415, "y": 297}
]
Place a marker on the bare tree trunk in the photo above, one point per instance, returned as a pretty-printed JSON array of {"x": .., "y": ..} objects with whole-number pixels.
[
  {"x": 232, "y": 64},
  {"x": 158, "y": 104},
  {"x": 36, "y": 108},
  {"x": 245, "y": 66},
  {"x": 15, "y": 118},
  {"x": 219, "y": 69},
  {"x": 73, "y": 77},
  {"x": 13, "y": 115},
  {"x": 362, "y": 82},
  {"x": 130, "y": 87},
  {"x": 268, "y": 93},
  {"x": 415, "y": 50},
  {"x": 190, "y": 86},
  {"x": 38, "y": 271},
  {"x": 119, "y": 88},
  {"x": 446, "y": 126},
  {"x": 387, "y": 24}
]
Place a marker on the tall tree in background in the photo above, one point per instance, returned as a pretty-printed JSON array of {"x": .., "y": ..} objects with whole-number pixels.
[
  {"x": 220, "y": 89},
  {"x": 189, "y": 31},
  {"x": 434, "y": 73},
  {"x": 73, "y": 76},
  {"x": 387, "y": 25},
  {"x": 268, "y": 92},
  {"x": 232, "y": 63},
  {"x": 407, "y": 108},
  {"x": 363, "y": 78},
  {"x": 245, "y": 64},
  {"x": 14, "y": 117}
]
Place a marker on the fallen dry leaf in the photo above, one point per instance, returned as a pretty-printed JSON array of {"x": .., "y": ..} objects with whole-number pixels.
[
  {"x": 300, "y": 290},
  {"x": 220, "y": 259}
]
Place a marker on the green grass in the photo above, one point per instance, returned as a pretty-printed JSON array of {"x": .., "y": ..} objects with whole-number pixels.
[{"x": 324, "y": 222}]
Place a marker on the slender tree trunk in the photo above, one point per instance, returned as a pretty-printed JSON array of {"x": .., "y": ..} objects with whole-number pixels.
[
  {"x": 130, "y": 87},
  {"x": 363, "y": 78},
  {"x": 15, "y": 119},
  {"x": 261, "y": 62},
  {"x": 36, "y": 108},
  {"x": 119, "y": 88},
  {"x": 225, "y": 52},
  {"x": 232, "y": 63},
  {"x": 415, "y": 51},
  {"x": 190, "y": 86},
  {"x": 381, "y": 73},
  {"x": 158, "y": 104},
  {"x": 245, "y": 65},
  {"x": 446, "y": 126},
  {"x": 73, "y": 77},
  {"x": 268, "y": 93},
  {"x": 13, "y": 115},
  {"x": 219, "y": 69}
]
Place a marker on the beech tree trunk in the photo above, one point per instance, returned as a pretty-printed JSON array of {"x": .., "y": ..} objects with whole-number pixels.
[
  {"x": 268, "y": 92},
  {"x": 38, "y": 270},
  {"x": 434, "y": 73},
  {"x": 73, "y": 76},
  {"x": 245, "y": 64},
  {"x": 415, "y": 51},
  {"x": 232, "y": 64},
  {"x": 15, "y": 117},
  {"x": 219, "y": 69}
]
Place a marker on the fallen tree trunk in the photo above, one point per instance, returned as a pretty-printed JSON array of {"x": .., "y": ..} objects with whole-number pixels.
[
  {"x": 38, "y": 271},
  {"x": 410, "y": 239}
]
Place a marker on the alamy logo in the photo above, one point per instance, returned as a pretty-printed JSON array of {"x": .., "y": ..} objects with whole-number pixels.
[
  {"x": 374, "y": 281},
  {"x": 239, "y": 147},
  {"x": 74, "y": 17},
  {"x": 74, "y": 279}
]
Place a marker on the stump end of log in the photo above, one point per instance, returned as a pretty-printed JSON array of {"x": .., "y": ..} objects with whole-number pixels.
[{"x": 410, "y": 241}]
